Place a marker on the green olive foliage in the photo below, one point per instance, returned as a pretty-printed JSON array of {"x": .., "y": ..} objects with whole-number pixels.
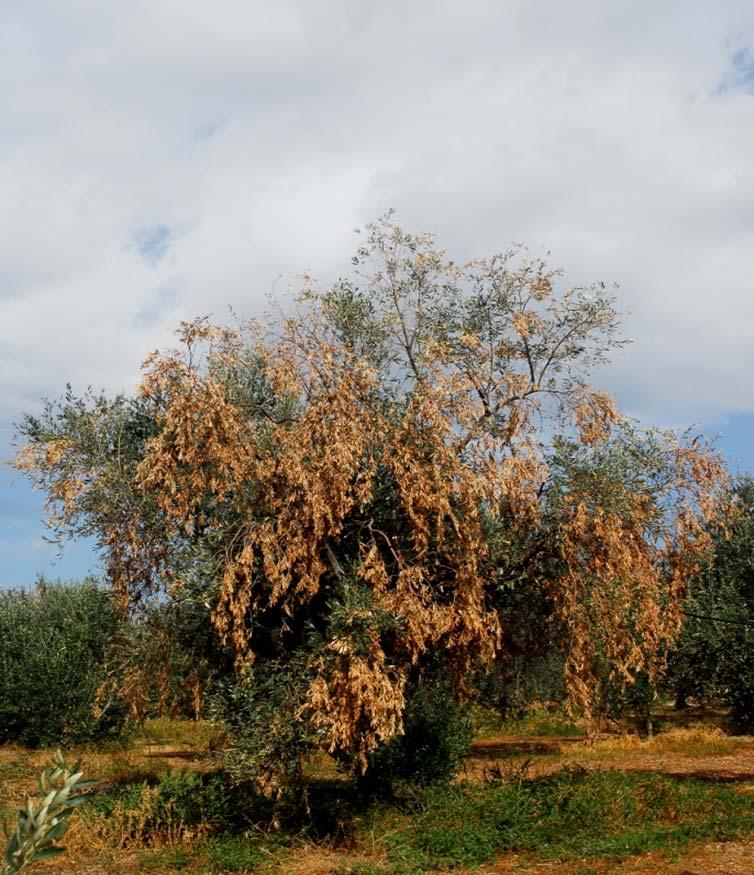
[
  {"x": 55, "y": 643},
  {"x": 714, "y": 655}
]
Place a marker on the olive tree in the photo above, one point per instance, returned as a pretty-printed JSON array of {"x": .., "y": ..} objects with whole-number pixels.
[{"x": 349, "y": 486}]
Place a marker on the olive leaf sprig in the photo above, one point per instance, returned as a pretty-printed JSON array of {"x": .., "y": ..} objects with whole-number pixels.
[{"x": 41, "y": 824}]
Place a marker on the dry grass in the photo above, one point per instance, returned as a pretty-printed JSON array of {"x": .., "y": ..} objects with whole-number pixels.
[
  {"x": 122, "y": 836},
  {"x": 695, "y": 740},
  {"x": 717, "y": 858},
  {"x": 695, "y": 749}
]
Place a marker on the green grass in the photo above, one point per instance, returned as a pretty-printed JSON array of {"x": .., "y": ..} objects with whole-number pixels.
[
  {"x": 245, "y": 854},
  {"x": 539, "y": 722},
  {"x": 220, "y": 854},
  {"x": 574, "y": 814},
  {"x": 177, "y": 859}
]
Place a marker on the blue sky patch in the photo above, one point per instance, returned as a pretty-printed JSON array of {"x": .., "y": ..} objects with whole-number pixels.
[
  {"x": 154, "y": 242},
  {"x": 740, "y": 75}
]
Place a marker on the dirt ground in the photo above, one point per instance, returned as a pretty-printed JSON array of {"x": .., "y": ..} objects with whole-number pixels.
[
  {"x": 551, "y": 755},
  {"x": 714, "y": 859}
]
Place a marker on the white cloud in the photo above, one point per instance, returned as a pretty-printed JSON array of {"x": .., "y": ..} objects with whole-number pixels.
[{"x": 258, "y": 135}]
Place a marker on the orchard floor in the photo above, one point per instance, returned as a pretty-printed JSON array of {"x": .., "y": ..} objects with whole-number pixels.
[{"x": 689, "y": 748}]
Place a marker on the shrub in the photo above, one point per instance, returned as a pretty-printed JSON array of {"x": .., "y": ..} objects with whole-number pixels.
[
  {"x": 54, "y": 641},
  {"x": 194, "y": 798},
  {"x": 182, "y": 802},
  {"x": 260, "y": 712},
  {"x": 436, "y": 737}
]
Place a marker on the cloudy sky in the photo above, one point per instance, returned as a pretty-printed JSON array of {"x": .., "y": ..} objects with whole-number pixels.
[{"x": 161, "y": 159}]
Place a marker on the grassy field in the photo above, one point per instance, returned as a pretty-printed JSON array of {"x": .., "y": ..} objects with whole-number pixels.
[{"x": 532, "y": 792}]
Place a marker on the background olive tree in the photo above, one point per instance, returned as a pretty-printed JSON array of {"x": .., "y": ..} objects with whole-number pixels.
[
  {"x": 56, "y": 641},
  {"x": 713, "y": 659}
]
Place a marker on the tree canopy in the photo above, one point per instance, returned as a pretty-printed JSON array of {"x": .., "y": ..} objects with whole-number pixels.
[
  {"x": 350, "y": 486},
  {"x": 712, "y": 658}
]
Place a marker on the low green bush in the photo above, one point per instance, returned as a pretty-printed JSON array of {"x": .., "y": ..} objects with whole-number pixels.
[
  {"x": 260, "y": 710},
  {"x": 54, "y": 643},
  {"x": 208, "y": 798},
  {"x": 184, "y": 799},
  {"x": 436, "y": 738}
]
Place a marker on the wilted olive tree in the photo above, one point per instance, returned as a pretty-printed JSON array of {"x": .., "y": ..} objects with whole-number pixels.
[{"x": 350, "y": 486}]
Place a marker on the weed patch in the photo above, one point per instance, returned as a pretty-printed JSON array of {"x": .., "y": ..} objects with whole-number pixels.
[
  {"x": 573, "y": 814},
  {"x": 245, "y": 853}
]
